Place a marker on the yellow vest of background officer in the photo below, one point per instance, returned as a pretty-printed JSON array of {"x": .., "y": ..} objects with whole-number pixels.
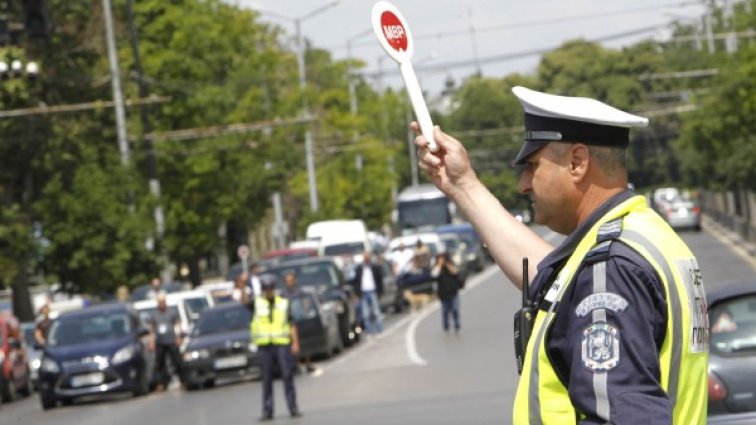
[
  {"x": 271, "y": 329},
  {"x": 541, "y": 396}
]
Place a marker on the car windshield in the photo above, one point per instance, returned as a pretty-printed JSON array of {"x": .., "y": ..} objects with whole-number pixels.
[
  {"x": 88, "y": 328},
  {"x": 304, "y": 308},
  {"x": 733, "y": 325},
  {"x": 452, "y": 243},
  {"x": 223, "y": 320},
  {"x": 350, "y": 248},
  {"x": 316, "y": 274},
  {"x": 195, "y": 306}
]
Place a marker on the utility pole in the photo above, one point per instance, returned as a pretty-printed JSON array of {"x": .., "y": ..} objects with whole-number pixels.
[
  {"x": 310, "y": 157},
  {"x": 154, "y": 182},
  {"x": 115, "y": 77}
]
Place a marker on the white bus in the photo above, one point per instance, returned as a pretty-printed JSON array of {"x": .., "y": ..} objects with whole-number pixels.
[{"x": 422, "y": 208}]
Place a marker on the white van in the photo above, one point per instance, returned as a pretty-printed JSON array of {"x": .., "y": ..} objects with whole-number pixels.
[{"x": 339, "y": 238}]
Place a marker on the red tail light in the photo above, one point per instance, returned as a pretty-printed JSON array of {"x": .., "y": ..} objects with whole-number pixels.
[
  {"x": 717, "y": 389},
  {"x": 696, "y": 210}
]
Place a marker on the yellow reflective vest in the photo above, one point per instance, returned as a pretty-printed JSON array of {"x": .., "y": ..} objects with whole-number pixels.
[
  {"x": 271, "y": 327},
  {"x": 541, "y": 396}
]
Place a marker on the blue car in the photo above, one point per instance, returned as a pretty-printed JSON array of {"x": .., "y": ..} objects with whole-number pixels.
[{"x": 97, "y": 350}]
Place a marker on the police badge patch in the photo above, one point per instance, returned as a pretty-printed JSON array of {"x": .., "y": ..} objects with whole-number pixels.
[{"x": 600, "y": 347}]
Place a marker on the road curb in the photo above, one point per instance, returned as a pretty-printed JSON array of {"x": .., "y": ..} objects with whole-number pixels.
[{"x": 740, "y": 246}]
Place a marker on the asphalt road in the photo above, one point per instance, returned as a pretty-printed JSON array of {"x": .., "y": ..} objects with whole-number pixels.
[{"x": 412, "y": 374}]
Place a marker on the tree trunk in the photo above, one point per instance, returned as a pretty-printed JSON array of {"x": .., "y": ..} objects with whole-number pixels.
[{"x": 22, "y": 304}]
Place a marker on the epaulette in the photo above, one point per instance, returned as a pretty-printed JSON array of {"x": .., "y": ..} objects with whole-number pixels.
[{"x": 607, "y": 233}]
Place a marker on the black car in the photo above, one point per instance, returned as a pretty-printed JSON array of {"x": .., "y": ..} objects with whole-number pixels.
[
  {"x": 219, "y": 346},
  {"x": 317, "y": 324},
  {"x": 322, "y": 276},
  {"x": 732, "y": 355},
  {"x": 97, "y": 350}
]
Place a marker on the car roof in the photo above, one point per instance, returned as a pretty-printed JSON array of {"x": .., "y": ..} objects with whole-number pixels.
[
  {"x": 731, "y": 289},
  {"x": 410, "y": 240},
  {"x": 289, "y": 251},
  {"x": 222, "y": 307},
  {"x": 301, "y": 262},
  {"x": 97, "y": 309}
]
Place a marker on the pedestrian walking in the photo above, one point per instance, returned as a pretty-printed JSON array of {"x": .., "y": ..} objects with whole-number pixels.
[
  {"x": 368, "y": 287},
  {"x": 166, "y": 331},
  {"x": 620, "y": 332},
  {"x": 449, "y": 285},
  {"x": 275, "y": 335}
]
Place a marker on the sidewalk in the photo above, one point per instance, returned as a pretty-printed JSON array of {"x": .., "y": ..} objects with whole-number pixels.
[{"x": 743, "y": 248}]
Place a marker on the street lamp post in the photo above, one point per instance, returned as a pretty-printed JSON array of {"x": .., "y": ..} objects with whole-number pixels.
[{"x": 310, "y": 159}]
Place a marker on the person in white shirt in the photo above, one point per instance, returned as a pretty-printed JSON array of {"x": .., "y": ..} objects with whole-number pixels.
[
  {"x": 368, "y": 286},
  {"x": 402, "y": 259}
]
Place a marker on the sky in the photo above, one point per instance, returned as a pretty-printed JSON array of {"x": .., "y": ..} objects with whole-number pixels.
[{"x": 448, "y": 33}]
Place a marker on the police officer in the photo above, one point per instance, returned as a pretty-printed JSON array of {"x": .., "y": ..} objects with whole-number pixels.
[
  {"x": 275, "y": 335},
  {"x": 620, "y": 333}
]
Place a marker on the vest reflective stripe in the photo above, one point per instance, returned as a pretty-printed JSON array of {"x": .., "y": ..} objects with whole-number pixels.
[
  {"x": 600, "y": 380},
  {"x": 267, "y": 331},
  {"x": 541, "y": 396},
  {"x": 673, "y": 295}
]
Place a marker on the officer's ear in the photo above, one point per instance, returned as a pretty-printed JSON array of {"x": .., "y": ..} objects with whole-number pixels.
[{"x": 580, "y": 158}]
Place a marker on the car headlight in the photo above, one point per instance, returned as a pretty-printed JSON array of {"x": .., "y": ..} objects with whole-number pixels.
[
  {"x": 471, "y": 256},
  {"x": 35, "y": 364},
  {"x": 196, "y": 355},
  {"x": 123, "y": 355},
  {"x": 252, "y": 347},
  {"x": 49, "y": 365}
]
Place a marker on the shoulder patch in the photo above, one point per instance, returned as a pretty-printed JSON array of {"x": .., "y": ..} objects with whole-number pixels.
[
  {"x": 600, "y": 347},
  {"x": 607, "y": 300}
]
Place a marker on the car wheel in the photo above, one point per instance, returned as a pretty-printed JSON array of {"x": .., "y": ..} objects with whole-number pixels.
[
  {"x": 47, "y": 403},
  {"x": 143, "y": 387},
  {"x": 9, "y": 390},
  {"x": 344, "y": 330}
]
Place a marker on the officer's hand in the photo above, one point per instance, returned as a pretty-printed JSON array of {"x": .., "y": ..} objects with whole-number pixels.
[
  {"x": 295, "y": 348},
  {"x": 449, "y": 167}
]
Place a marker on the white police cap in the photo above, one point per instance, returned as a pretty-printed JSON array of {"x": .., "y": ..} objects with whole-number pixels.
[{"x": 551, "y": 118}]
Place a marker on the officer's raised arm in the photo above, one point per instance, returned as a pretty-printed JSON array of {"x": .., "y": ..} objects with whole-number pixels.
[{"x": 508, "y": 240}]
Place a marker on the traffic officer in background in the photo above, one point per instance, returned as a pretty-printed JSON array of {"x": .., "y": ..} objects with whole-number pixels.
[
  {"x": 275, "y": 335},
  {"x": 620, "y": 331}
]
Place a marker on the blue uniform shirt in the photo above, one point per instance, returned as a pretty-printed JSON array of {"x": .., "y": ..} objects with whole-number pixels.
[{"x": 631, "y": 392}]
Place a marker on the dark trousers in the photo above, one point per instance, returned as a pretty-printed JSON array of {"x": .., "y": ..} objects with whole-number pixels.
[
  {"x": 269, "y": 355},
  {"x": 450, "y": 307},
  {"x": 162, "y": 372}
]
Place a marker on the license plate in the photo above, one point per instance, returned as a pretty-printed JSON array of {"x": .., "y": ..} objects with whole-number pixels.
[
  {"x": 229, "y": 362},
  {"x": 96, "y": 378}
]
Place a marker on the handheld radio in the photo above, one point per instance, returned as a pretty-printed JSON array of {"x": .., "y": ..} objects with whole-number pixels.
[{"x": 523, "y": 321}]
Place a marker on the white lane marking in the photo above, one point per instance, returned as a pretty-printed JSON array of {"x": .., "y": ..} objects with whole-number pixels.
[{"x": 409, "y": 336}]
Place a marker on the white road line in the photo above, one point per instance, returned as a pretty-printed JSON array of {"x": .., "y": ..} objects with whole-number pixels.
[
  {"x": 409, "y": 336},
  {"x": 415, "y": 319}
]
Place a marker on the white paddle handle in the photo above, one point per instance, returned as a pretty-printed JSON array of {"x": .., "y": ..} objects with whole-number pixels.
[{"x": 418, "y": 103}]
